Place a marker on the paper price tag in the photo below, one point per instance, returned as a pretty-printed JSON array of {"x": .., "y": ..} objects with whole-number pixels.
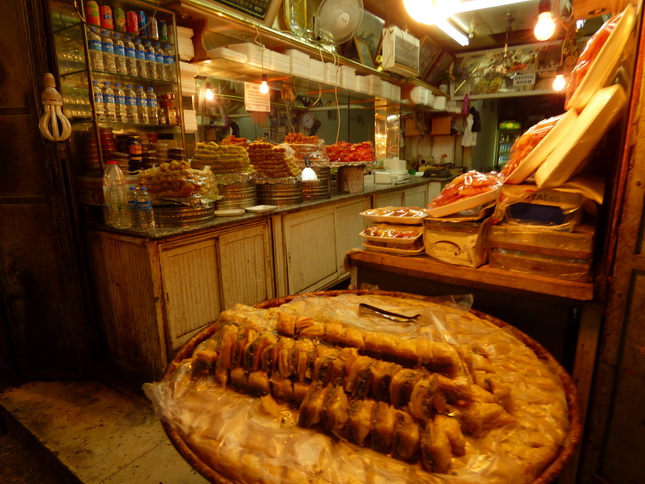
[
  {"x": 254, "y": 100},
  {"x": 524, "y": 79}
]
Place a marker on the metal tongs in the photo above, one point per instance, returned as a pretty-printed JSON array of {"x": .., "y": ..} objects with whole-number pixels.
[{"x": 364, "y": 308}]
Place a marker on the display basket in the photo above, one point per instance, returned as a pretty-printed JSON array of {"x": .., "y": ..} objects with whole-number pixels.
[{"x": 548, "y": 474}]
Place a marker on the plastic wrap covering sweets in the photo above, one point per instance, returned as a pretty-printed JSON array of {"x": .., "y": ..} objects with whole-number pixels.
[
  {"x": 526, "y": 144},
  {"x": 310, "y": 147},
  {"x": 467, "y": 185},
  {"x": 178, "y": 180},
  {"x": 348, "y": 152},
  {"x": 221, "y": 159},
  {"x": 272, "y": 161},
  {"x": 317, "y": 390}
]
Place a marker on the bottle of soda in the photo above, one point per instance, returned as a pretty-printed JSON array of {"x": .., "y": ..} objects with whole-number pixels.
[
  {"x": 151, "y": 59},
  {"x": 132, "y": 206},
  {"x": 169, "y": 63},
  {"x": 115, "y": 197},
  {"x": 142, "y": 105},
  {"x": 121, "y": 107},
  {"x": 131, "y": 104},
  {"x": 160, "y": 65},
  {"x": 107, "y": 44},
  {"x": 142, "y": 66},
  {"x": 99, "y": 107},
  {"x": 95, "y": 47},
  {"x": 109, "y": 102},
  {"x": 145, "y": 211},
  {"x": 119, "y": 20},
  {"x": 153, "y": 106},
  {"x": 130, "y": 56},
  {"x": 119, "y": 55}
]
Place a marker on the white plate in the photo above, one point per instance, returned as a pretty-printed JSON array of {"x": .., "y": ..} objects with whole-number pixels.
[
  {"x": 230, "y": 212},
  {"x": 261, "y": 208},
  {"x": 534, "y": 159},
  {"x": 570, "y": 156},
  {"x": 463, "y": 204},
  {"x": 604, "y": 67}
]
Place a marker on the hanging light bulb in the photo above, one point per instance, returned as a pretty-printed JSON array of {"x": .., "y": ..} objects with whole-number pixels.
[
  {"x": 264, "y": 86},
  {"x": 545, "y": 26},
  {"x": 209, "y": 95},
  {"x": 559, "y": 81}
]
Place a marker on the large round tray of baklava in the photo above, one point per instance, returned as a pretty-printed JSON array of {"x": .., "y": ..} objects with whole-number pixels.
[{"x": 367, "y": 386}]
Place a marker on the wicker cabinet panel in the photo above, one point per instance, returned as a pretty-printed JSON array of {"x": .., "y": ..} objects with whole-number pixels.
[
  {"x": 310, "y": 247},
  {"x": 191, "y": 287},
  {"x": 348, "y": 226},
  {"x": 246, "y": 266}
]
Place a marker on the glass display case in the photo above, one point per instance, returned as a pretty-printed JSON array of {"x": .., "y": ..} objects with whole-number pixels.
[{"x": 100, "y": 98}]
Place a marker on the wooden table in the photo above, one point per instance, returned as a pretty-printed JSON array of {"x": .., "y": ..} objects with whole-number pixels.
[{"x": 536, "y": 305}]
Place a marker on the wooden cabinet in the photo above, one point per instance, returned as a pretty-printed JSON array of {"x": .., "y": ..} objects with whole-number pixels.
[
  {"x": 348, "y": 226},
  {"x": 408, "y": 197},
  {"x": 154, "y": 295},
  {"x": 310, "y": 249}
]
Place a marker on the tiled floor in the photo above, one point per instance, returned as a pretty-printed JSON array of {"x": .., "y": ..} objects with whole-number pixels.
[{"x": 97, "y": 434}]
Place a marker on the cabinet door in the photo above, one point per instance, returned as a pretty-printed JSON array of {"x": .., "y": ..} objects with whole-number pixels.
[
  {"x": 348, "y": 226},
  {"x": 246, "y": 266},
  {"x": 390, "y": 199},
  {"x": 191, "y": 289},
  {"x": 310, "y": 247},
  {"x": 416, "y": 197}
]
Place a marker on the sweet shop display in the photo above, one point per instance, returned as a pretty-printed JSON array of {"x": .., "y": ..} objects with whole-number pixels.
[
  {"x": 343, "y": 152},
  {"x": 272, "y": 161},
  {"x": 235, "y": 141},
  {"x": 178, "y": 180},
  {"x": 336, "y": 389},
  {"x": 222, "y": 159}
]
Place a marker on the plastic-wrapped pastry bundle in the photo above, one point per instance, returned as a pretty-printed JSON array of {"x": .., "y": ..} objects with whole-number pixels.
[
  {"x": 317, "y": 390},
  {"x": 178, "y": 180},
  {"x": 466, "y": 185},
  {"x": 272, "y": 161},
  {"x": 221, "y": 159}
]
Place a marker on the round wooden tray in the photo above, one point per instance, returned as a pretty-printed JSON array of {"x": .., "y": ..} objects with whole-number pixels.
[{"x": 548, "y": 475}]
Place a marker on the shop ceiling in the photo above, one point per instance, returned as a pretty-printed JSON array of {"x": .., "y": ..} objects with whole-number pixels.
[{"x": 486, "y": 27}]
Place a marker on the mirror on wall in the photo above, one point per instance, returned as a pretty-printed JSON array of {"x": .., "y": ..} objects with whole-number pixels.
[{"x": 308, "y": 109}]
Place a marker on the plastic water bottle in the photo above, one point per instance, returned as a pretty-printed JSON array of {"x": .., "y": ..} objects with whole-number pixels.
[
  {"x": 130, "y": 56},
  {"x": 142, "y": 106},
  {"x": 169, "y": 63},
  {"x": 145, "y": 211},
  {"x": 109, "y": 102},
  {"x": 109, "y": 64},
  {"x": 119, "y": 55},
  {"x": 160, "y": 65},
  {"x": 132, "y": 206},
  {"x": 153, "y": 106},
  {"x": 131, "y": 104},
  {"x": 121, "y": 107},
  {"x": 142, "y": 66},
  {"x": 150, "y": 59},
  {"x": 99, "y": 107},
  {"x": 95, "y": 47},
  {"x": 115, "y": 197}
]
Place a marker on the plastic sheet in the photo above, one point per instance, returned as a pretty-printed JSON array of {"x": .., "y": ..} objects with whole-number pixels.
[
  {"x": 513, "y": 415},
  {"x": 178, "y": 180}
]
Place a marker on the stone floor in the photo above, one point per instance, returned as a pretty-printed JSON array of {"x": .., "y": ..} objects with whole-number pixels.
[{"x": 88, "y": 432}]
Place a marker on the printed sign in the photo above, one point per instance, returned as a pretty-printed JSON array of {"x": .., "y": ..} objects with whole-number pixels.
[
  {"x": 254, "y": 100},
  {"x": 524, "y": 79}
]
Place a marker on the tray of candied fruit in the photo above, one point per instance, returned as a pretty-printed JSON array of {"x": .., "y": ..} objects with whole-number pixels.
[{"x": 395, "y": 215}]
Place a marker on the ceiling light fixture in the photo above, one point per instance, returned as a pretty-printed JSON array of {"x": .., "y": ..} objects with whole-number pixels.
[
  {"x": 264, "y": 86},
  {"x": 545, "y": 26},
  {"x": 209, "y": 95},
  {"x": 452, "y": 31},
  {"x": 436, "y": 12},
  {"x": 559, "y": 81}
]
